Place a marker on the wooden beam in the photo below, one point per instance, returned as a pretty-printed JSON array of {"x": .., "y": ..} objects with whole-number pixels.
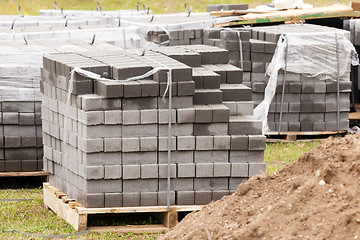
[
  {"x": 24, "y": 174},
  {"x": 354, "y": 116}
]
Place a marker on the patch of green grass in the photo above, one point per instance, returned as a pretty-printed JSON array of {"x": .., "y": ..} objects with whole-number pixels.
[
  {"x": 278, "y": 155},
  {"x": 32, "y": 217},
  {"x": 32, "y": 7}
]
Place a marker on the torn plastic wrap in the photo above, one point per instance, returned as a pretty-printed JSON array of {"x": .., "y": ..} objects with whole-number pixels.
[{"x": 313, "y": 55}]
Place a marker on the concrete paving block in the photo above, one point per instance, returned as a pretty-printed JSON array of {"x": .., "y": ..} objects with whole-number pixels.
[
  {"x": 177, "y": 184},
  {"x": 29, "y": 141},
  {"x": 185, "y": 115},
  {"x": 164, "y": 116},
  {"x": 239, "y": 125},
  {"x": 148, "y": 198},
  {"x": 148, "y": 144},
  {"x": 163, "y": 170},
  {"x": 91, "y": 117},
  {"x": 222, "y": 142},
  {"x": 12, "y": 165},
  {"x": 163, "y": 144},
  {"x": 26, "y": 118},
  {"x": 294, "y": 126},
  {"x": 186, "y": 88},
  {"x": 131, "y": 117},
  {"x": 204, "y": 170},
  {"x": 220, "y": 113},
  {"x": 257, "y": 169},
  {"x": 185, "y": 170},
  {"x": 140, "y": 185},
  {"x": 318, "y": 126},
  {"x": 107, "y": 89},
  {"x": 112, "y": 144},
  {"x": 204, "y": 142},
  {"x": 221, "y": 169},
  {"x": 177, "y": 102},
  {"x": 203, "y": 114},
  {"x": 148, "y": 116},
  {"x": 246, "y": 156},
  {"x": 294, "y": 107},
  {"x": 257, "y": 142},
  {"x": 10, "y": 118},
  {"x": 203, "y": 197},
  {"x": 91, "y": 145},
  {"x": 109, "y": 158},
  {"x": 95, "y": 172},
  {"x": 185, "y": 143},
  {"x": 113, "y": 171},
  {"x": 210, "y": 156},
  {"x": 185, "y": 197},
  {"x": 113, "y": 200},
  {"x": 139, "y": 103},
  {"x": 131, "y": 171},
  {"x": 146, "y": 130},
  {"x": 235, "y": 182},
  {"x": 132, "y": 89},
  {"x": 113, "y": 117},
  {"x": 319, "y": 107},
  {"x": 163, "y": 196},
  {"x": 149, "y": 171},
  {"x": 239, "y": 169},
  {"x": 149, "y": 88},
  {"x": 209, "y": 184},
  {"x": 131, "y": 144},
  {"x": 131, "y": 158},
  {"x": 28, "y": 107},
  {"x": 177, "y": 157},
  {"x": 239, "y": 142},
  {"x": 29, "y": 165},
  {"x": 12, "y": 142},
  {"x": 131, "y": 199},
  {"x": 95, "y": 200}
]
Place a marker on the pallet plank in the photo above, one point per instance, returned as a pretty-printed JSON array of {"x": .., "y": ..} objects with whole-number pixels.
[
  {"x": 64, "y": 211},
  {"x": 25, "y": 174}
]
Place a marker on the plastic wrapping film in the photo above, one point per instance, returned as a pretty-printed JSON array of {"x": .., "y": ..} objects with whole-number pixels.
[
  {"x": 20, "y": 77},
  {"x": 311, "y": 54}
]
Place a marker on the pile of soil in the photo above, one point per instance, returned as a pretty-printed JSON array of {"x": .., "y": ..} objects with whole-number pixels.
[{"x": 316, "y": 197}]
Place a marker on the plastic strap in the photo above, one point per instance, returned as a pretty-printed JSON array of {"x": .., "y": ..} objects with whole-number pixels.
[
  {"x": 283, "y": 85},
  {"x": 337, "y": 85}
]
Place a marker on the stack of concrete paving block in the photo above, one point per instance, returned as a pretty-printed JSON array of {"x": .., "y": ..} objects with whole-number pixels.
[
  {"x": 226, "y": 7},
  {"x": 186, "y": 37},
  {"x": 107, "y": 146},
  {"x": 353, "y": 25},
  {"x": 20, "y": 100},
  {"x": 309, "y": 104},
  {"x": 157, "y": 36}
]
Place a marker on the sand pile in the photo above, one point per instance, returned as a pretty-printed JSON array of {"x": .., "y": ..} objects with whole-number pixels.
[{"x": 317, "y": 197}]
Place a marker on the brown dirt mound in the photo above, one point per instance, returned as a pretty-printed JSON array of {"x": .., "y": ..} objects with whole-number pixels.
[{"x": 317, "y": 197}]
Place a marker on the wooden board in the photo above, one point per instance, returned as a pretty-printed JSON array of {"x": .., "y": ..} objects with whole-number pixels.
[
  {"x": 354, "y": 116},
  {"x": 292, "y": 136},
  {"x": 77, "y": 221},
  {"x": 237, "y": 12},
  {"x": 294, "y": 15},
  {"x": 24, "y": 174}
]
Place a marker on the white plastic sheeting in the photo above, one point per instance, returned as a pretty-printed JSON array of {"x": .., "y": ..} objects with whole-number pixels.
[{"x": 326, "y": 56}]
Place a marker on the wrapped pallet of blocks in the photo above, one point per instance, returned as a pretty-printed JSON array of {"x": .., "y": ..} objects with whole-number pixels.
[{"x": 106, "y": 139}]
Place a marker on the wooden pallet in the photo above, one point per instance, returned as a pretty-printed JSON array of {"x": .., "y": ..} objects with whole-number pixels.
[
  {"x": 293, "y": 136},
  {"x": 77, "y": 215},
  {"x": 24, "y": 174},
  {"x": 354, "y": 116},
  {"x": 294, "y": 15}
]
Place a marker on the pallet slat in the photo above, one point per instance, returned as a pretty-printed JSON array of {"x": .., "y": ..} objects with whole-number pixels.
[{"x": 24, "y": 174}]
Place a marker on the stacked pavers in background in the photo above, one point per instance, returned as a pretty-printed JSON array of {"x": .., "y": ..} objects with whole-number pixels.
[
  {"x": 20, "y": 136},
  {"x": 20, "y": 101},
  {"x": 309, "y": 103},
  {"x": 353, "y": 26},
  {"x": 116, "y": 132}
]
